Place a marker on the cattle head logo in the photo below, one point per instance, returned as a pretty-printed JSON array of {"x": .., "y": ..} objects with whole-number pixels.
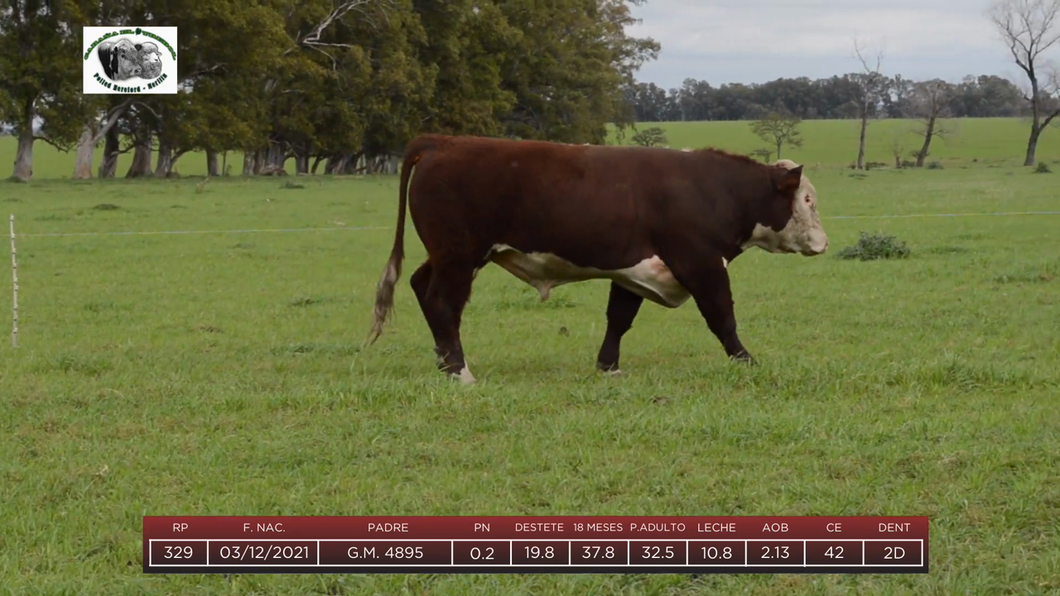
[
  {"x": 130, "y": 60},
  {"x": 122, "y": 59}
]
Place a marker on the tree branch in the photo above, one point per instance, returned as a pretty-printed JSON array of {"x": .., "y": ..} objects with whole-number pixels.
[
  {"x": 208, "y": 70},
  {"x": 1049, "y": 118},
  {"x": 111, "y": 118},
  {"x": 143, "y": 105},
  {"x": 59, "y": 146}
]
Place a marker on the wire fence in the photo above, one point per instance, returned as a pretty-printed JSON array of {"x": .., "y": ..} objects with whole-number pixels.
[{"x": 360, "y": 228}]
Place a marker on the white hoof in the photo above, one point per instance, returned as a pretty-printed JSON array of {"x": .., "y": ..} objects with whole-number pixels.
[{"x": 465, "y": 376}]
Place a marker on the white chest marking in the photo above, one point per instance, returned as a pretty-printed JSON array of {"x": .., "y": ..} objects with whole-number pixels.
[
  {"x": 651, "y": 278},
  {"x": 725, "y": 262}
]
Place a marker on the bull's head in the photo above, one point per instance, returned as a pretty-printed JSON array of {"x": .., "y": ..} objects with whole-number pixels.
[
  {"x": 150, "y": 60},
  {"x": 793, "y": 224}
]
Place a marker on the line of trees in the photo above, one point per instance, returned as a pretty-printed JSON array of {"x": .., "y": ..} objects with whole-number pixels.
[
  {"x": 326, "y": 82},
  {"x": 335, "y": 83},
  {"x": 837, "y": 97}
]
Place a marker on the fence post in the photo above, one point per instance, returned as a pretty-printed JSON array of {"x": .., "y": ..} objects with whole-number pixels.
[{"x": 14, "y": 288}]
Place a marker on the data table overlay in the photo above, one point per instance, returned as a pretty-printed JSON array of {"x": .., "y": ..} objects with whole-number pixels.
[{"x": 554, "y": 544}]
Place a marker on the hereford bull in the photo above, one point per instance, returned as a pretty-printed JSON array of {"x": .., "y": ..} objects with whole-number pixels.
[{"x": 660, "y": 224}]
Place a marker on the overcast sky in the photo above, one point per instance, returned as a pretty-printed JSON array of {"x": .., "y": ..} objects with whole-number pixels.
[{"x": 754, "y": 41}]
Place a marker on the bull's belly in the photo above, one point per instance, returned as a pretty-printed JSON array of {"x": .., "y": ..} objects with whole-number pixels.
[{"x": 651, "y": 278}]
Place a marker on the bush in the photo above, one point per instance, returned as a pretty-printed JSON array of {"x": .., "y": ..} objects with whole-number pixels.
[
  {"x": 935, "y": 165},
  {"x": 871, "y": 247},
  {"x": 1043, "y": 168}
]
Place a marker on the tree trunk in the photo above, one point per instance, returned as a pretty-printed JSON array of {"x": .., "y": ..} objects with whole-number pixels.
[
  {"x": 211, "y": 163},
  {"x": 164, "y": 162},
  {"x": 173, "y": 163},
  {"x": 928, "y": 133},
  {"x": 86, "y": 149},
  {"x": 779, "y": 143},
  {"x": 276, "y": 155},
  {"x": 248, "y": 163},
  {"x": 301, "y": 163},
  {"x": 141, "y": 164},
  {"x": 23, "y": 169},
  {"x": 1032, "y": 144},
  {"x": 316, "y": 162},
  {"x": 259, "y": 160},
  {"x": 861, "y": 141},
  {"x": 111, "y": 148},
  {"x": 336, "y": 164},
  {"x": 24, "y": 155},
  {"x": 86, "y": 145},
  {"x": 224, "y": 163}
]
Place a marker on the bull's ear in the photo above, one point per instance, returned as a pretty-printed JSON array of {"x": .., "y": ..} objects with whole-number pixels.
[{"x": 790, "y": 181}]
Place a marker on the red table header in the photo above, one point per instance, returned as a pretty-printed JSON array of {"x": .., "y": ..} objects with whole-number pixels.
[{"x": 535, "y": 527}]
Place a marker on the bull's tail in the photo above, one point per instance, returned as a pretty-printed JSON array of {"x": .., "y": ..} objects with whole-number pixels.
[{"x": 384, "y": 294}]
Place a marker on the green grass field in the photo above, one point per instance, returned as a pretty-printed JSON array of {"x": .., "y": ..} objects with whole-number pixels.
[
  {"x": 988, "y": 141},
  {"x": 221, "y": 374}
]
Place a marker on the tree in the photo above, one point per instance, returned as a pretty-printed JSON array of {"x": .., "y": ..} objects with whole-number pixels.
[
  {"x": 871, "y": 86},
  {"x": 929, "y": 103},
  {"x": 1029, "y": 28},
  {"x": 650, "y": 137},
  {"x": 898, "y": 148},
  {"x": 39, "y": 72},
  {"x": 779, "y": 129},
  {"x": 467, "y": 42},
  {"x": 569, "y": 68}
]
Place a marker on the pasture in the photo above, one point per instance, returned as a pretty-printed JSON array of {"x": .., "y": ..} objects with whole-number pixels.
[
  {"x": 973, "y": 142},
  {"x": 221, "y": 373}
]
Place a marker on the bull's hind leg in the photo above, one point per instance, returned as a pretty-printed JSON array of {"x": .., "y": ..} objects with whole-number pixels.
[
  {"x": 622, "y": 308},
  {"x": 443, "y": 305},
  {"x": 420, "y": 280}
]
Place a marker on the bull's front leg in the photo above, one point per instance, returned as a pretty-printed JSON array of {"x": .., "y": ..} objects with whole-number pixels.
[
  {"x": 709, "y": 286},
  {"x": 622, "y": 308}
]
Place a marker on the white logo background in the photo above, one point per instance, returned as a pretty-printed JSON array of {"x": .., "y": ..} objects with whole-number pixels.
[{"x": 118, "y": 60}]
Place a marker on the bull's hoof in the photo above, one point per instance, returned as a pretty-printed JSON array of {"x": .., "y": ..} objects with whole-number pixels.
[
  {"x": 745, "y": 358},
  {"x": 609, "y": 370},
  {"x": 464, "y": 376}
]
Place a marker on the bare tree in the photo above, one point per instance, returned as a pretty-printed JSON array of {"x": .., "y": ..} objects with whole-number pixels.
[
  {"x": 898, "y": 148},
  {"x": 779, "y": 130},
  {"x": 1028, "y": 29},
  {"x": 871, "y": 86},
  {"x": 928, "y": 103}
]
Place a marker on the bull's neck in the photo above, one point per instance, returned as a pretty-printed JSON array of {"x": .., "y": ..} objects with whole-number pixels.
[{"x": 752, "y": 194}]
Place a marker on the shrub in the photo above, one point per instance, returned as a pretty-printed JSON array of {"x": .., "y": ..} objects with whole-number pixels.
[
  {"x": 871, "y": 247},
  {"x": 935, "y": 165},
  {"x": 1042, "y": 168}
]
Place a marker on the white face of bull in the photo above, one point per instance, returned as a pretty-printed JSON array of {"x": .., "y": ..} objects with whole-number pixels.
[
  {"x": 150, "y": 60},
  {"x": 803, "y": 234}
]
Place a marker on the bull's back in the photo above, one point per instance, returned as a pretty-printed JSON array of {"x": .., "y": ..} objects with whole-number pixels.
[{"x": 584, "y": 202}]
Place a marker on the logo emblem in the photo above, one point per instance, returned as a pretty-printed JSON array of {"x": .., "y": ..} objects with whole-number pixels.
[{"x": 130, "y": 60}]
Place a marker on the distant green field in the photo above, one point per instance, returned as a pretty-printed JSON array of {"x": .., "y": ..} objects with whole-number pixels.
[
  {"x": 222, "y": 374},
  {"x": 998, "y": 141},
  {"x": 994, "y": 141}
]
